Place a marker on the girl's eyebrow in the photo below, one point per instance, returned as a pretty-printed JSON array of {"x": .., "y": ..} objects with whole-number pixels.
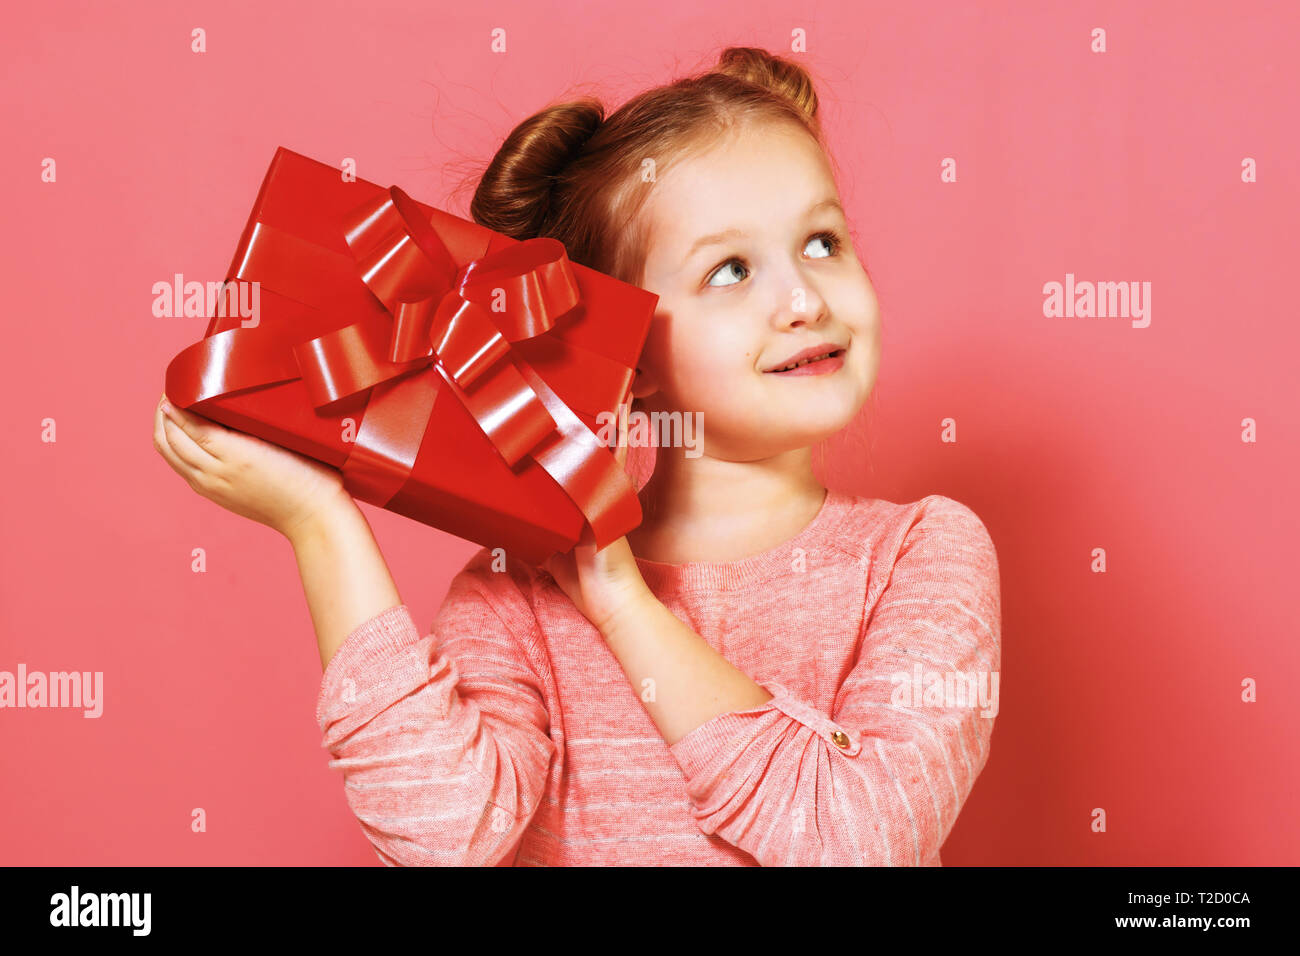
[{"x": 715, "y": 238}]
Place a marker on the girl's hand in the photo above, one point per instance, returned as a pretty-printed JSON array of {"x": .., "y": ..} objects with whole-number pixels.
[
  {"x": 603, "y": 584},
  {"x": 245, "y": 474}
]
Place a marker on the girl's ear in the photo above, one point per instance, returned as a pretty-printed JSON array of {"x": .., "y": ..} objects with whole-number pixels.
[{"x": 644, "y": 384}]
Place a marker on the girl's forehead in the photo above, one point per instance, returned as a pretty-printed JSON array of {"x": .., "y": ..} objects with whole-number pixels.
[
  {"x": 753, "y": 150},
  {"x": 735, "y": 186}
]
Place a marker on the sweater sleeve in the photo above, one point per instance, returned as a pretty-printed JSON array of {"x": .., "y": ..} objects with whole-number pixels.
[
  {"x": 881, "y": 779},
  {"x": 442, "y": 738}
]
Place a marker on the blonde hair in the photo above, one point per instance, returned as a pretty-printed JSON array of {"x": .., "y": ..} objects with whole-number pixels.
[{"x": 570, "y": 173}]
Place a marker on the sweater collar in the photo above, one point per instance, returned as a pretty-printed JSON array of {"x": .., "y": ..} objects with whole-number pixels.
[{"x": 772, "y": 563}]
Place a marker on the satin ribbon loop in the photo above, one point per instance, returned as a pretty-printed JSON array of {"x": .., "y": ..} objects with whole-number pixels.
[
  {"x": 534, "y": 277},
  {"x": 348, "y": 360},
  {"x": 412, "y": 323},
  {"x": 467, "y": 343},
  {"x": 462, "y": 321},
  {"x": 458, "y": 323},
  {"x": 472, "y": 354}
]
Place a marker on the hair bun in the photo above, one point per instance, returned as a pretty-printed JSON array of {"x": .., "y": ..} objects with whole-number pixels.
[
  {"x": 515, "y": 195},
  {"x": 782, "y": 77}
]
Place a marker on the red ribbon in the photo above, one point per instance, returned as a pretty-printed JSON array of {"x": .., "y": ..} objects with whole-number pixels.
[{"x": 462, "y": 323}]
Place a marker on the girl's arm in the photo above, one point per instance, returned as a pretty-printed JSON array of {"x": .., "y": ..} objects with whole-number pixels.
[
  {"x": 344, "y": 575},
  {"x": 437, "y": 771},
  {"x": 443, "y": 736},
  {"x": 874, "y": 782}
]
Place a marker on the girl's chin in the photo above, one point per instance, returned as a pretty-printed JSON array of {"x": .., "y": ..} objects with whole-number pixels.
[
  {"x": 789, "y": 436},
  {"x": 822, "y": 413}
]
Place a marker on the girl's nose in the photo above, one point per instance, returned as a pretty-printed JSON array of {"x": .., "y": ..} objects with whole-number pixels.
[{"x": 800, "y": 302}]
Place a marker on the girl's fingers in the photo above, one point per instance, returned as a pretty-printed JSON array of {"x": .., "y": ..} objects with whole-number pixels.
[
  {"x": 187, "y": 449},
  {"x": 190, "y": 440},
  {"x": 164, "y": 448},
  {"x": 204, "y": 432}
]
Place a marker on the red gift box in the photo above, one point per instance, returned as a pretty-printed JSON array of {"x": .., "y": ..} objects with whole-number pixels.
[{"x": 453, "y": 374}]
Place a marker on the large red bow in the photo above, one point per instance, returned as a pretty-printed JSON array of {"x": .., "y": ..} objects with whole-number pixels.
[{"x": 459, "y": 322}]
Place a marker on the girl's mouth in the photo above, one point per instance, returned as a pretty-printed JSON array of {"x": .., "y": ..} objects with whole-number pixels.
[{"x": 824, "y": 365}]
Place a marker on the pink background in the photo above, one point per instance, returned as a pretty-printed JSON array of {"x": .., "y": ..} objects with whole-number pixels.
[{"x": 1120, "y": 690}]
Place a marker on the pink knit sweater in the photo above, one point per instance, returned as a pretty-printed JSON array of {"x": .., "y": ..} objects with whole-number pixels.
[{"x": 508, "y": 734}]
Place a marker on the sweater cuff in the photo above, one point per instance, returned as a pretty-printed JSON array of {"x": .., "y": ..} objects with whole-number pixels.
[
  {"x": 696, "y": 750},
  {"x": 727, "y": 735},
  {"x": 373, "y": 642}
]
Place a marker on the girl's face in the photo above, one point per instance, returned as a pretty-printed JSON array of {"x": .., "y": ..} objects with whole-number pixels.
[{"x": 783, "y": 278}]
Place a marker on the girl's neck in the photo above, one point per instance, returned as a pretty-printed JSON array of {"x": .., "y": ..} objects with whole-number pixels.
[{"x": 707, "y": 509}]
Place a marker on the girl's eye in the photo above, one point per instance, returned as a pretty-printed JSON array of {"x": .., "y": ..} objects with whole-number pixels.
[
  {"x": 831, "y": 239},
  {"x": 722, "y": 269}
]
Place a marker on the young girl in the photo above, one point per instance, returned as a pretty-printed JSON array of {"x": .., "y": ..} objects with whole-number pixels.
[{"x": 764, "y": 672}]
